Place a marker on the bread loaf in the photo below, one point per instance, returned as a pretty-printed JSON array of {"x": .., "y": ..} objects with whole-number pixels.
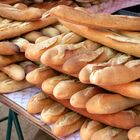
[
  {"x": 134, "y": 133},
  {"x": 67, "y": 124},
  {"x": 3, "y": 76},
  {"x": 109, "y": 103}
]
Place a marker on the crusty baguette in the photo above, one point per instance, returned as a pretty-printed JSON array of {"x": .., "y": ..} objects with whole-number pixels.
[
  {"x": 28, "y": 66},
  {"x": 65, "y": 89},
  {"x": 38, "y": 102},
  {"x": 3, "y": 76},
  {"x": 96, "y": 20},
  {"x": 88, "y": 69},
  {"x": 51, "y": 115},
  {"x": 80, "y": 98},
  {"x": 60, "y": 53},
  {"x": 67, "y": 124},
  {"x": 120, "y": 74},
  {"x": 13, "y": 29},
  {"x": 131, "y": 89},
  {"x": 106, "y": 37},
  {"x": 10, "y": 85},
  {"x": 13, "y": 13},
  {"x": 109, "y": 103},
  {"x": 89, "y": 128},
  {"x": 134, "y": 133},
  {"x": 76, "y": 63},
  {"x": 14, "y": 71},
  {"x": 110, "y": 133},
  {"x": 8, "y": 48},
  {"x": 6, "y": 60},
  {"x": 49, "y": 84},
  {"x": 38, "y": 75}
]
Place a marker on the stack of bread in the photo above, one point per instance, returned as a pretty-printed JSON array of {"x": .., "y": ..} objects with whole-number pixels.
[{"x": 105, "y": 59}]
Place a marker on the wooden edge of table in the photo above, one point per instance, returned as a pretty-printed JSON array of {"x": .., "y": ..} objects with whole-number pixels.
[{"x": 21, "y": 111}]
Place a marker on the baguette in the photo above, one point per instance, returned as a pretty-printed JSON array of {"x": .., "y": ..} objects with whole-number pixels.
[
  {"x": 80, "y": 98},
  {"x": 14, "y": 71},
  {"x": 38, "y": 75},
  {"x": 20, "y": 6},
  {"x": 134, "y": 133},
  {"x": 61, "y": 28},
  {"x": 49, "y": 84},
  {"x": 110, "y": 133},
  {"x": 67, "y": 124},
  {"x": 13, "y": 13},
  {"x": 28, "y": 66},
  {"x": 89, "y": 128},
  {"x": 76, "y": 63},
  {"x": 120, "y": 74},
  {"x": 108, "y": 38},
  {"x": 51, "y": 115},
  {"x": 109, "y": 103},
  {"x": 41, "y": 38},
  {"x": 120, "y": 22},
  {"x": 131, "y": 89},
  {"x": 3, "y": 76},
  {"x": 38, "y": 102},
  {"x": 10, "y": 85},
  {"x": 8, "y": 48},
  {"x": 65, "y": 89},
  {"x": 60, "y": 53},
  {"x": 7, "y": 60},
  {"x": 118, "y": 59}
]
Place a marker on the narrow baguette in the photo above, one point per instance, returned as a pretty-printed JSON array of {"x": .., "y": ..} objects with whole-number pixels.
[
  {"x": 89, "y": 128},
  {"x": 14, "y": 71},
  {"x": 131, "y": 89},
  {"x": 134, "y": 133},
  {"x": 67, "y": 124},
  {"x": 96, "y": 20},
  {"x": 53, "y": 113},
  {"x": 110, "y": 133},
  {"x": 49, "y": 84},
  {"x": 120, "y": 74},
  {"x": 109, "y": 103},
  {"x": 10, "y": 85},
  {"x": 80, "y": 98},
  {"x": 108, "y": 38},
  {"x": 65, "y": 89},
  {"x": 7, "y": 60},
  {"x": 14, "y": 13},
  {"x": 3, "y": 76},
  {"x": 8, "y": 48},
  {"x": 38, "y": 102},
  {"x": 38, "y": 75}
]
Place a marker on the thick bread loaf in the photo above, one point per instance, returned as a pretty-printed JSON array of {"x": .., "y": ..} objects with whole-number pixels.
[
  {"x": 96, "y": 20},
  {"x": 10, "y": 85},
  {"x": 6, "y": 60},
  {"x": 89, "y": 128},
  {"x": 67, "y": 124},
  {"x": 8, "y": 48},
  {"x": 80, "y": 98},
  {"x": 106, "y": 37},
  {"x": 14, "y": 71},
  {"x": 110, "y": 133},
  {"x": 60, "y": 53},
  {"x": 134, "y": 133},
  {"x": 120, "y": 74},
  {"x": 109, "y": 103},
  {"x": 65, "y": 89},
  {"x": 86, "y": 71},
  {"x": 51, "y": 115},
  {"x": 38, "y": 75},
  {"x": 38, "y": 102},
  {"x": 15, "y": 29},
  {"x": 49, "y": 84},
  {"x": 131, "y": 89},
  {"x": 28, "y": 66},
  {"x": 3, "y": 76},
  {"x": 77, "y": 62},
  {"x": 13, "y": 13}
]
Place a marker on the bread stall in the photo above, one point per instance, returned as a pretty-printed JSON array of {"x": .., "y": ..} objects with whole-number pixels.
[{"x": 71, "y": 68}]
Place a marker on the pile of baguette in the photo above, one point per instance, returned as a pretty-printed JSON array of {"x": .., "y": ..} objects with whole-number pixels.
[{"x": 87, "y": 66}]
